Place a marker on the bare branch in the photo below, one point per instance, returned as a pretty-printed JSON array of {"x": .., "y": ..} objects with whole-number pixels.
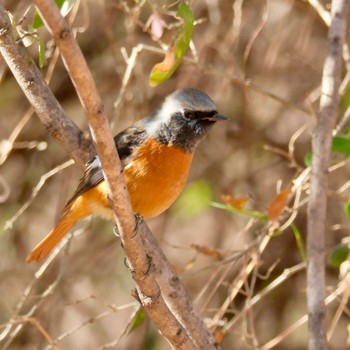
[
  {"x": 247, "y": 83},
  {"x": 241, "y": 278},
  {"x": 342, "y": 287},
  {"x": 33, "y": 321},
  {"x": 9, "y": 223},
  {"x": 321, "y": 145},
  {"x": 149, "y": 293},
  {"x": 46, "y": 106},
  {"x": 173, "y": 291}
]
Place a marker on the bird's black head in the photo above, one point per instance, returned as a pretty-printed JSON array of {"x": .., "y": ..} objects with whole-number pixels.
[{"x": 184, "y": 119}]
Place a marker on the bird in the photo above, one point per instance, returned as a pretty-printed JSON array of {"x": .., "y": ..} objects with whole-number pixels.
[{"x": 155, "y": 152}]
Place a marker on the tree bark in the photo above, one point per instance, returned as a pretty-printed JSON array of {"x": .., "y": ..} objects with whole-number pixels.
[
  {"x": 176, "y": 318},
  {"x": 40, "y": 96},
  {"x": 321, "y": 146}
]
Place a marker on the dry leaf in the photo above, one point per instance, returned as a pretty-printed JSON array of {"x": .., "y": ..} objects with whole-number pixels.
[
  {"x": 278, "y": 204},
  {"x": 164, "y": 70},
  {"x": 219, "y": 336},
  {"x": 168, "y": 62},
  {"x": 207, "y": 251},
  {"x": 238, "y": 203}
]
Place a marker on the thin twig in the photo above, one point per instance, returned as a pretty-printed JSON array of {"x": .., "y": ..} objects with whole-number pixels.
[
  {"x": 93, "y": 319},
  {"x": 338, "y": 313},
  {"x": 7, "y": 145},
  {"x": 241, "y": 278},
  {"x": 33, "y": 321},
  {"x": 230, "y": 77},
  {"x": 322, "y": 12},
  {"x": 9, "y": 223},
  {"x": 148, "y": 288},
  {"x": 40, "y": 96},
  {"x": 130, "y": 61},
  {"x": 10, "y": 332},
  {"x": 284, "y": 276},
  {"x": 124, "y": 331},
  {"x": 173, "y": 291},
  {"x": 321, "y": 145},
  {"x": 271, "y": 344}
]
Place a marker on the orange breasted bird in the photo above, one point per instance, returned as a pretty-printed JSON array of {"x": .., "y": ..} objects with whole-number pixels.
[{"x": 156, "y": 154}]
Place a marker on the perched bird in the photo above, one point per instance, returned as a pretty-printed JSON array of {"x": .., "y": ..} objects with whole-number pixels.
[{"x": 156, "y": 154}]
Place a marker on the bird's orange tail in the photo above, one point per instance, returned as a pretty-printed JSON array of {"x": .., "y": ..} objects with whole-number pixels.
[
  {"x": 73, "y": 212},
  {"x": 76, "y": 209},
  {"x": 44, "y": 248}
]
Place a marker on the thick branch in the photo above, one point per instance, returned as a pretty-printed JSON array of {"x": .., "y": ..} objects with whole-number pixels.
[
  {"x": 50, "y": 112},
  {"x": 148, "y": 290},
  {"x": 321, "y": 145},
  {"x": 175, "y": 294}
]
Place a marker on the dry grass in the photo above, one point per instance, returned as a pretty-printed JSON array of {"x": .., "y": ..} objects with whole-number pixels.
[{"x": 261, "y": 61}]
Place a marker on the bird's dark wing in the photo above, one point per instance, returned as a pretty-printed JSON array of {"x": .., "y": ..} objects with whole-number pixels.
[
  {"x": 126, "y": 142},
  {"x": 129, "y": 139}
]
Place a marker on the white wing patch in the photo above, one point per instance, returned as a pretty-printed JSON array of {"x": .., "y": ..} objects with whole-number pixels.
[{"x": 96, "y": 163}]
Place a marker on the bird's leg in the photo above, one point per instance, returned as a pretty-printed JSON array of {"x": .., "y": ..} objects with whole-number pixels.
[
  {"x": 138, "y": 221},
  {"x": 116, "y": 231},
  {"x": 127, "y": 265},
  {"x": 149, "y": 263}
]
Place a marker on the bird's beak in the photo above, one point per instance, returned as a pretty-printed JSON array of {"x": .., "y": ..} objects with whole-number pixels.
[
  {"x": 216, "y": 117},
  {"x": 220, "y": 117}
]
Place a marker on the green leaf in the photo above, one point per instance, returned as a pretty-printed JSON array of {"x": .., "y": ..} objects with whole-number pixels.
[
  {"x": 299, "y": 240},
  {"x": 162, "y": 71},
  {"x": 338, "y": 256},
  {"x": 63, "y": 5},
  {"x": 277, "y": 233},
  {"x": 151, "y": 340},
  {"x": 345, "y": 99},
  {"x": 37, "y": 21},
  {"x": 184, "y": 38},
  {"x": 341, "y": 145},
  {"x": 308, "y": 158},
  {"x": 138, "y": 319},
  {"x": 194, "y": 199},
  {"x": 41, "y": 54},
  {"x": 244, "y": 212},
  {"x": 347, "y": 208}
]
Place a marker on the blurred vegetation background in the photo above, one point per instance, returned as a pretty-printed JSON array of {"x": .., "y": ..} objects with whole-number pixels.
[{"x": 261, "y": 62}]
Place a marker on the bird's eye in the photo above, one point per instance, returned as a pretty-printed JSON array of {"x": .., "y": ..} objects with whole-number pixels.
[{"x": 188, "y": 115}]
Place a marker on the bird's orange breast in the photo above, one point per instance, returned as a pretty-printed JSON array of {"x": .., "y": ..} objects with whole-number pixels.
[{"x": 156, "y": 176}]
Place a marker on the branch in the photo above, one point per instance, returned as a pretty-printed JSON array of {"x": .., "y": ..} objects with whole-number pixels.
[
  {"x": 175, "y": 294},
  {"x": 208, "y": 69},
  {"x": 321, "y": 145},
  {"x": 46, "y": 106},
  {"x": 140, "y": 263}
]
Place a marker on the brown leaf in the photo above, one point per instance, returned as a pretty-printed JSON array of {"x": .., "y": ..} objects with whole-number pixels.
[
  {"x": 168, "y": 62},
  {"x": 278, "y": 204},
  {"x": 219, "y": 336},
  {"x": 238, "y": 203},
  {"x": 207, "y": 251}
]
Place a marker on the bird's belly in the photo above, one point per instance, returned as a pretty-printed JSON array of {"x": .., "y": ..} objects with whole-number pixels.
[{"x": 156, "y": 178}]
